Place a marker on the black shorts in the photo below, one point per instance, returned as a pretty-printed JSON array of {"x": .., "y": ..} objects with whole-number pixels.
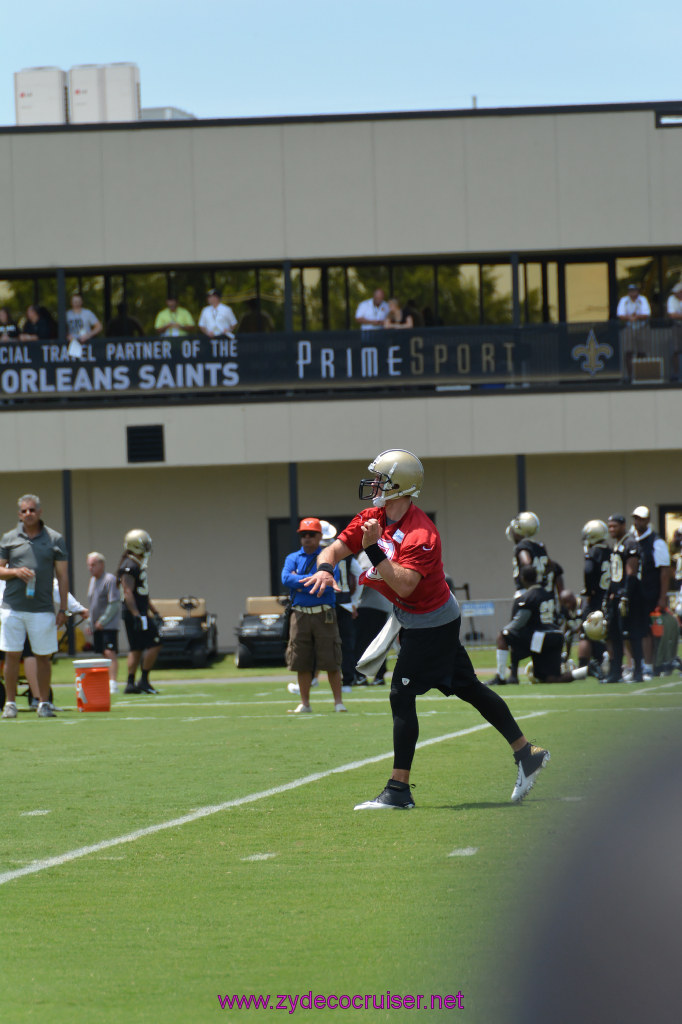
[
  {"x": 105, "y": 640},
  {"x": 140, "y": 639},
  {"x": 547, "y": 662},
  {"x": 433, "y": 659}
]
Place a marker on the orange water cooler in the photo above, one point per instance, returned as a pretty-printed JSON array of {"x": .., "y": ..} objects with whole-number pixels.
[{"x": 92, "y": 684}]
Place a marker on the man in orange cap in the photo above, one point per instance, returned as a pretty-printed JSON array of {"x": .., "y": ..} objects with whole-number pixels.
[{"x": 314, "y": 641}]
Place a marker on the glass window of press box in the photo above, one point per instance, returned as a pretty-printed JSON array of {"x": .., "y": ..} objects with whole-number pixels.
[{"x": 325, "y": 297}]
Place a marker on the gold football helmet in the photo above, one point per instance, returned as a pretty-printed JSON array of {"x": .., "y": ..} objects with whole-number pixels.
[
  {"x": 594, "y": 532},
  {"x": 525, "y": 524},
  {"x": 397, "y": 474},
  {"x": 595, "y": 626},
  {"x": 138, "y": 543}
]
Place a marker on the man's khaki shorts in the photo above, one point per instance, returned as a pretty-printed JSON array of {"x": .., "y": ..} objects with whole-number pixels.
[{"x": 314, "y": 642}]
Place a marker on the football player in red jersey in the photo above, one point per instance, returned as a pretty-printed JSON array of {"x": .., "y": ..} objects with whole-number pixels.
[{"x": 404, "y": 548}]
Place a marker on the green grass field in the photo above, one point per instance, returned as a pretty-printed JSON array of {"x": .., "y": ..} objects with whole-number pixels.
[{"x": 203, "y": 843}]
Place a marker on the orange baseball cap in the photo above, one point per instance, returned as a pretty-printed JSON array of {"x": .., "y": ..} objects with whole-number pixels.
[{"x": 310, "y": 524}]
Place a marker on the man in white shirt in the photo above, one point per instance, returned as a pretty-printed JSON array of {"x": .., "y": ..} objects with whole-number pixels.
[
  {"x": 674, "y": 310},
  {"x": 634, "y": 309},
  {"x": 674, "y": 307},
  {"x": 217, "y": 320},
  {"x": 371, "y": 313},
  {"x": 634, "y": 312}
]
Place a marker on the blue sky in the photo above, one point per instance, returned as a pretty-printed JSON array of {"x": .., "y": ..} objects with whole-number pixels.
[{"x": 271, "y": 57}]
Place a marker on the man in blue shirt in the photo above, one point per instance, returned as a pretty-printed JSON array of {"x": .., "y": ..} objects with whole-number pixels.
[{"x": 314, "y": 641}]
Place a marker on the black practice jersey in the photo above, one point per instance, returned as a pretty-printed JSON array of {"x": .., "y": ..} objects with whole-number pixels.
[
  {"x": 626, "y": 548},
  {"x": 597, "y": 575},
  {"x": 131, "y": 567},
  {"x": 547, "y": 570},
  {"x": 532, "y": 611}
]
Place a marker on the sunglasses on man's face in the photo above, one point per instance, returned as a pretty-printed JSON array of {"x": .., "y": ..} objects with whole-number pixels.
[{"x": 308, "y": 533}]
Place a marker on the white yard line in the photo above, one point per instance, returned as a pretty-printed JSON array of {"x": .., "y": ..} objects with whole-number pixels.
[{"x": 205, "y": 812}]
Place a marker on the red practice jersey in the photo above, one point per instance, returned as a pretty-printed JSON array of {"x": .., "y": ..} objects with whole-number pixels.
[{"x": 414, "y": 543}]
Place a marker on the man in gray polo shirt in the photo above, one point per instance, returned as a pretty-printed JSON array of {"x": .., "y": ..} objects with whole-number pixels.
[
  {"x": 31, "y": 556},
  {"x": 104, "y": 598}
]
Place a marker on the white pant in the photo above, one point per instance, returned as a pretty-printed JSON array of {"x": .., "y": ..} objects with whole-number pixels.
[{"x": 40, "y": 627}]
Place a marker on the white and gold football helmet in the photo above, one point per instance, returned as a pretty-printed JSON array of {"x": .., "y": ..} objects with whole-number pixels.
[
  {"x": 138, "y": 543},
  {"x": 594, "y": 532},
  {"x": 397, "y": 474},
  {"x": 525, "y": 524},
  {"x": 595, "y": 626}
]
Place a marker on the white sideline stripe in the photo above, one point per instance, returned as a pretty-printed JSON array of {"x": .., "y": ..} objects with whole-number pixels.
[
  {"x": 466, "y": 851},
  {"x": 205, "y": 812}
]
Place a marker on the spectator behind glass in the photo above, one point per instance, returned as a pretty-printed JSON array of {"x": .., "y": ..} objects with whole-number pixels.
[
  {"x": 371, "y": 313},
  {"x": 174, "y": 321},
  {"x": 217, "y": 320},
  {"x": 412, "y": 309},
  {"x": 634, "y": 309},
  {"x": 8, "y": 328},
  {"x": 430, "y": 318},
  {"x": 50, "y": 321},
  {"x": 81, "y": 323},
  {"x": 396, "y": 316},
  {"x": 36, "y": 327},
  {"x": 674, "y": 307},
  {"x": 122, "y": 325},
  {"x": 255, "y": 321}
]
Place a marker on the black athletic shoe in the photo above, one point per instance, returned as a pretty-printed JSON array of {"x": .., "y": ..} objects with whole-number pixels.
[
  {"x": 594, "y": 669},
  {"x": 529, "y": 767},
  {"x": 146, "y": 688},
  {"x": 131, "y": 688},
  {"x": 391, "y": 798},
  {"x": 496, "y": 681}
]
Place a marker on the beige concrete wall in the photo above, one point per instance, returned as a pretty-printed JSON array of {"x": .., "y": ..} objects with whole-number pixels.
[
  {"x": 256, "y": 434},
  {"x": 210, "y": 524},
  {"x": 587, "y": 180}
]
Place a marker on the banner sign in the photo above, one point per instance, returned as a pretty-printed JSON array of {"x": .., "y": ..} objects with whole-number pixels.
[
  {"x": 477, "y": 608},
  {"x": 447, "y": 358}
]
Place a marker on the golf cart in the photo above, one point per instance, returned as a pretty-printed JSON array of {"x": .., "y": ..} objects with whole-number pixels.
[
  {"x": 187, "y": 631},
  {"x": 261, "y": 633}
]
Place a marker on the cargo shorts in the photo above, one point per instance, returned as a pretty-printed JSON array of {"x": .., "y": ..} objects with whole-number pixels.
[{"x": 314, "y": 641}]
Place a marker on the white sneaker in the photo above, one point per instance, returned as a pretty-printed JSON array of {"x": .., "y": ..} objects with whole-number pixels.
[
  {"x": 340, "y": 707},
  {"x": 113, "y": 686},
  {"x": 346, "y": 689},
  {"x": 528, "y": 770},
  {"x": 10, "y": 710},
  {"x": 301, "y": 709},
  {"x": 46, "y": 710}
]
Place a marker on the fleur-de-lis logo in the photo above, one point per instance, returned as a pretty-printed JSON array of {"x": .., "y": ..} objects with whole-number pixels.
[{"x": 593, "y": 353}]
